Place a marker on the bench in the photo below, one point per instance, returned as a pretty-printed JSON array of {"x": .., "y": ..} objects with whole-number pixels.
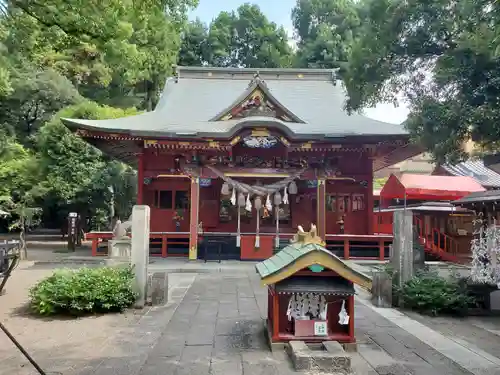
[{"x": 8, "y": 260}]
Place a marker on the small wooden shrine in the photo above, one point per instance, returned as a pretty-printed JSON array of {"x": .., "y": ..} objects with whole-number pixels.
[
  {"x": 485, "y": 205},
  {"x": 310, "y": 292}
]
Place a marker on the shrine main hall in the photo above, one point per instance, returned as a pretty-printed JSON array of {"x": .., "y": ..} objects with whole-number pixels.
[{"x": 231, "y": 161}]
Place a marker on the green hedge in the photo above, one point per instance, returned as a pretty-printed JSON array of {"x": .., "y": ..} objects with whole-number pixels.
[
  {"x": 84, "y": 291},
  {"x": 431, "y": 294}
]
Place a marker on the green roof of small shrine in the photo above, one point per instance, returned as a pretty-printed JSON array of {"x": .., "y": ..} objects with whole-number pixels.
[
  {"x": 300, "y": 255},
  {"x": 285, "y": 257}
]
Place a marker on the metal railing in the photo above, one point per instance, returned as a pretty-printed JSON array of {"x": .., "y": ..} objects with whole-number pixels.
[{"x": 9, "y": 258}]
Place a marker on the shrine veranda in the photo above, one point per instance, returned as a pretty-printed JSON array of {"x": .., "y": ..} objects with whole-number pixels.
[{"x": 232, "y": 161}]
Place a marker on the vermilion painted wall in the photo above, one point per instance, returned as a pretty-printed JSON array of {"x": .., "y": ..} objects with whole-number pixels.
[
  {"x": 303, "y": 206},
  {"x": 358, "y": 166},
  {"x": 161, "y": 219}
]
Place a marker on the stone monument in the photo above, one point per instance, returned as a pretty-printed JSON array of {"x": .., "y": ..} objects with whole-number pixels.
[
  {"x": 407, "y": 256},
  {"x": 140, "y": 251},
  {"x": 403, "y": 259}
]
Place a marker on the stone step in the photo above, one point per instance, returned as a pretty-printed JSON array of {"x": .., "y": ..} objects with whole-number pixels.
[{"x": 329, "y": 357}]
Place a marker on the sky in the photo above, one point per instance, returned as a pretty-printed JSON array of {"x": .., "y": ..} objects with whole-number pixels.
[{"x": 279, "y": 11}]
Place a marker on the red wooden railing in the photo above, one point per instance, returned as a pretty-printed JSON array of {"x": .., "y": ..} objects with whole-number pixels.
[{"x": 437, "y": 243}]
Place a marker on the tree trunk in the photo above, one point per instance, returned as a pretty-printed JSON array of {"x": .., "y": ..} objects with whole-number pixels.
[
  {"x": 149, "y": 96},
  {"x": 23, "y": 251}
]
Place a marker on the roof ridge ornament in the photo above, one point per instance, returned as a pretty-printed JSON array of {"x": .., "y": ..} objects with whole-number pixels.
[
  {"x": 306, "y": 238},
  {"x": 256, "y": 80}
]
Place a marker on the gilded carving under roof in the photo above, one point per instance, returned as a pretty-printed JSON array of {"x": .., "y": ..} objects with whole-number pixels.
[{"x": 258, "y": 103}]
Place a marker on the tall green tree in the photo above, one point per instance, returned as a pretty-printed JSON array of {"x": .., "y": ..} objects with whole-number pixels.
[
  {"x": 443, "y": 58},
  {"x": 130, "y": 55},
  {"x": 5, "y": 86},
  {"x": 242, "y": 38},
  {"x": 195, "y": 47},
  {"x": 75, "y": 175},
  {"x": 35, "y": 97},
  {"x": 58, "y": 53},
  {"x": 18, "y": 168},
  {"x": 325, "y": 30}
]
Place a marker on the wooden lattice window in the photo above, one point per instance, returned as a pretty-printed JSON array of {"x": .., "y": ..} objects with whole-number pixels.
[
  {"x": 331, "y": 203},
  {"x": 181, "y": 200},
  {"x": 358, "y": 202},
  {"x": 163, "y": 199},
  {"x": 343, "y": 202}
]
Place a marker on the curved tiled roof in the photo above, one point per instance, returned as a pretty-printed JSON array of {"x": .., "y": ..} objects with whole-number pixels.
[
  {"x": 477, "y": 170},
  {"x": 287, "y": 258},
  {"x": 199, "y": 94},
  {"x": 489, "y": 196}
]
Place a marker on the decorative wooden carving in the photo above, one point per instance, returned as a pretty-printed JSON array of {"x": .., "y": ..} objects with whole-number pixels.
[
  {"x": 257, "y": 104},
  {"x": 305, "y": 238},
  {"x": 328, "y": 165}
]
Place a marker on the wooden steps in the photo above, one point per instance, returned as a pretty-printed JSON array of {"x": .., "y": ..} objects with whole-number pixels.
[{"x": 439, "y": 244}]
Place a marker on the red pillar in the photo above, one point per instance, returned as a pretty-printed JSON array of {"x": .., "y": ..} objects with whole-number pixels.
[
  {"x": 381, "y": 250},
  {"x": 369, "y": 198},
  {"x": 276, "y": 317},
  {"x": 164, "y": 245},
  {"x": 347, "y": 249},
  {"x": 321, "y": 209},
  {"x": 350, "y": 311},
  {"x": 140, "y": 178},
  {"x": 193, "y": 218}
]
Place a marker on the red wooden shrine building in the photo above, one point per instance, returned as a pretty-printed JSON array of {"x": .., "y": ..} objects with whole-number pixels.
[
  {"x": 244, "y": 156},
  {"x": 444, "y": 230}
]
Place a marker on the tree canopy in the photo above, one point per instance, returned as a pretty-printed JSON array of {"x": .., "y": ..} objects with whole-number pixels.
[
  {"x": 443, "y": 58},
  {"x": 242, "y": 38},
  {"x": 86, "y": 59},
  {"x": 325, "y": 30},
  {"x": 98, "y": 59}
]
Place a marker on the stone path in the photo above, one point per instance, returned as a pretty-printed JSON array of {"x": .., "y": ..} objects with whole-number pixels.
[
  {"x": 217, "y": 329},
  {"x": 213, "y": 325},
  {"x": 479, "y": 335}
]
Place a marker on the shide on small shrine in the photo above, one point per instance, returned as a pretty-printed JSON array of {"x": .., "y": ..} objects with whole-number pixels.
[
  {"x": 310, "y": 292},
  {"x": 240, "y": 157}
]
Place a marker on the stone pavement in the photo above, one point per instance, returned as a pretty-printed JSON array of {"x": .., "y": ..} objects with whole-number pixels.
[
  {"x": 214, "y": 326},
  {"x": 217, "y": 329},
  {"x": 479, "y": 334}
]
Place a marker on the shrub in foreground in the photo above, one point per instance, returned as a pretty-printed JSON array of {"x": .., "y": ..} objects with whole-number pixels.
[
  {"x": 84, "y": 291},
  {"x": 431, "y": 294}
]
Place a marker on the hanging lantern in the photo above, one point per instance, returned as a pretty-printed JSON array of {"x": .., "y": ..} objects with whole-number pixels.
[
  {"x": 241, "y": 200},
  {"x": 257, "y": 203},
  {"x": 277, "y": 198},
  {"x": 292, "y": 188},
  {"x": 225, "y": 189}
]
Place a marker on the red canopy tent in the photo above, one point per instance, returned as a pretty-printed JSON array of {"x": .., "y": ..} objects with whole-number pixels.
[{"x": 429, "y": 188}]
